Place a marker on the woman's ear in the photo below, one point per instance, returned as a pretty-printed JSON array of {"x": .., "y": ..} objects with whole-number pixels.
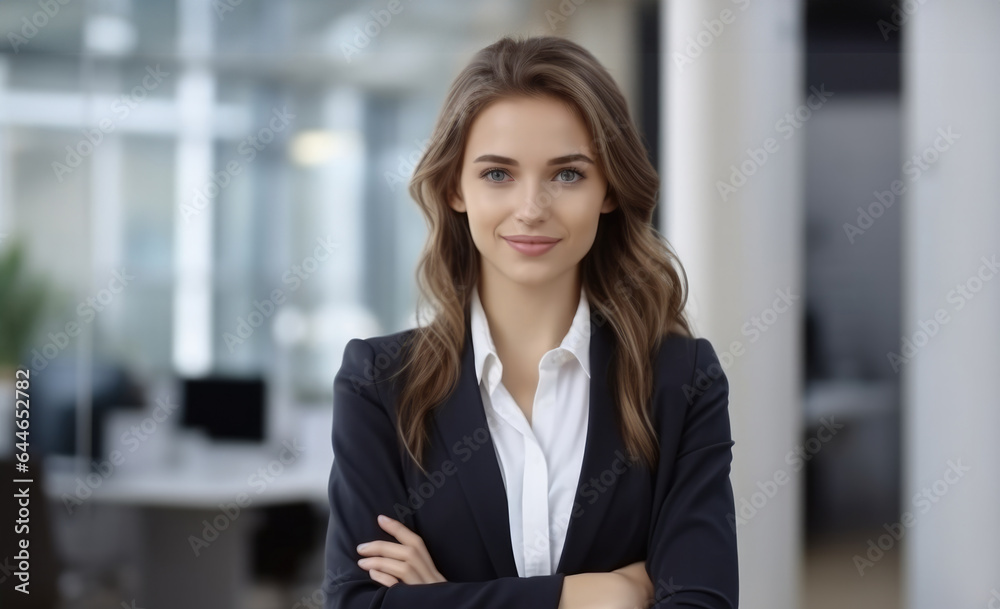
[
  {"x": 609, "y": 202},
  {"x": 457, "y": 202}
]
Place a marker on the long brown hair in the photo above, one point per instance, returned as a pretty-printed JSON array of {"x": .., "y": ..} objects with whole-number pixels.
[{"x": 632, "y": 278}]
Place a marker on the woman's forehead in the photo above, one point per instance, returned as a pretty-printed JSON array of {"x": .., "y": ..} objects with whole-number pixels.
[{"x": 529, "y": 130}]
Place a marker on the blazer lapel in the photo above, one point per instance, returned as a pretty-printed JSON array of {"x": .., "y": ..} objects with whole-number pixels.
[
  {"x": 462, "y": 416},
  {"x": 603, "y": 442}
]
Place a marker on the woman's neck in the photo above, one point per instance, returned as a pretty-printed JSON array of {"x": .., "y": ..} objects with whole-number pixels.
[{"x": 527, "y": 319}]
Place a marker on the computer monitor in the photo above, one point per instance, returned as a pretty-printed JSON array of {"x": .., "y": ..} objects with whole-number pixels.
[{"x": 225, "y": 408}]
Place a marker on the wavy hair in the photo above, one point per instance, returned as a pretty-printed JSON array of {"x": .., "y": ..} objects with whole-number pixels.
[{"x": 631, "y": 276}]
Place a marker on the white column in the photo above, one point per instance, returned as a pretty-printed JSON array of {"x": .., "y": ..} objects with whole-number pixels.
[
  {"x": 951, "y": 372},
  {"x": 732, "y": 180},
  {"x": 195, "y": 195},
  {"x": 6, "y": 204}
]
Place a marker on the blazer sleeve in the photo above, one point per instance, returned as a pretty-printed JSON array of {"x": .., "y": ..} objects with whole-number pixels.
[
  {"x": 366, "y": 479},
  {"x": 691, "y": 559}
]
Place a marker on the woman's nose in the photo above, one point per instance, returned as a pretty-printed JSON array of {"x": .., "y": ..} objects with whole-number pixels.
[{"x": 535, "y": 203}]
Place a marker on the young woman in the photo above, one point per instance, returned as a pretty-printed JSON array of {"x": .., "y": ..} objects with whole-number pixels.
[{"x": 554, "y": 437}]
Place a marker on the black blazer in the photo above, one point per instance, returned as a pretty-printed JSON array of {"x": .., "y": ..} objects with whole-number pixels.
[{"x": 677, "y": 517}]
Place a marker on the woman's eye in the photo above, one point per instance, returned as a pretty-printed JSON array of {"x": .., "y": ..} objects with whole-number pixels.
[
  {"x": 495, "y": 175},
  {"x": 573, "y": 175},
  {"x": 567, "y": 175}
]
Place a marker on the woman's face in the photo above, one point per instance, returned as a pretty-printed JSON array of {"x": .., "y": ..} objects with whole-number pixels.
[{"x": 528, "y": 172}]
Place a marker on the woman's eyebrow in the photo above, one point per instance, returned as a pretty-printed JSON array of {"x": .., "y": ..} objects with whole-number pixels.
[{"x": 496, "y": 158}]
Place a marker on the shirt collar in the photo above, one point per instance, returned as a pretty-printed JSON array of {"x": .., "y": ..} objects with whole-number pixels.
[{"x": 576, "y": 343}]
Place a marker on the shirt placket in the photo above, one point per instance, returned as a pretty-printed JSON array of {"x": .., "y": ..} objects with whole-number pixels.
[
  {"x": 535, "y": 542},
  {"x": 535, "y": 500},
  {"x": 535, "y": 509}
]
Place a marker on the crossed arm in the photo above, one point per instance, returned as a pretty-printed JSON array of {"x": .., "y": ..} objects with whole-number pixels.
[
  {"x": 409, "y": 562},
  {"x": 690, "y": 536}
]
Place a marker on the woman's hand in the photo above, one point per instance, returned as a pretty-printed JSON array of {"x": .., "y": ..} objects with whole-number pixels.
[
  {"x": 389, "y": 563},
  {"x": 641, "y": 585},
  {"x": 625, "y": 588}
]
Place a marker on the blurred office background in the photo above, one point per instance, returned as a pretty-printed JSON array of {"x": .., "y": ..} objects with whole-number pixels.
[{"x": 202, "y": 202}]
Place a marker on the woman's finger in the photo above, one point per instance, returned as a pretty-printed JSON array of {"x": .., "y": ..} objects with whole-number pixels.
[
  {"x": 401, "y": 570},
  {"x": 409, "y": 560},
  {"x": 400, "y": 531},
  {"x": 419, "y": 560},
  {"x": 413, "y": 549},
  {"x": 383, "y": 578}
]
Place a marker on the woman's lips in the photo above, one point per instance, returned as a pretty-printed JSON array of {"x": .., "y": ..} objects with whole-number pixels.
[{"x": 531, "y": 249}]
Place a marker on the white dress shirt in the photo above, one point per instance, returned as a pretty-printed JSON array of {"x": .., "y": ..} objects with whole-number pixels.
[{"x": 540, "y": 462}]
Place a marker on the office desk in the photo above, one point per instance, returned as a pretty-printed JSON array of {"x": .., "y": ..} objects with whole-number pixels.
[{"x": 197, "y": 514}]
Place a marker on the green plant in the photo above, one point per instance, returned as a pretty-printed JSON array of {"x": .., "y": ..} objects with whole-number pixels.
[{"x": 22, "y": 300}]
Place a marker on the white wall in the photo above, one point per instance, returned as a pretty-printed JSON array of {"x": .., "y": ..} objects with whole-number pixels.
[
  {"x": 951, "y": 386},
  {"x": 727, "y": 84}
]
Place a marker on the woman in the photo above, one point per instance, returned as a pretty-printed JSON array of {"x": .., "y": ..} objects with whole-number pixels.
[{"x": 554, "y": 436}]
